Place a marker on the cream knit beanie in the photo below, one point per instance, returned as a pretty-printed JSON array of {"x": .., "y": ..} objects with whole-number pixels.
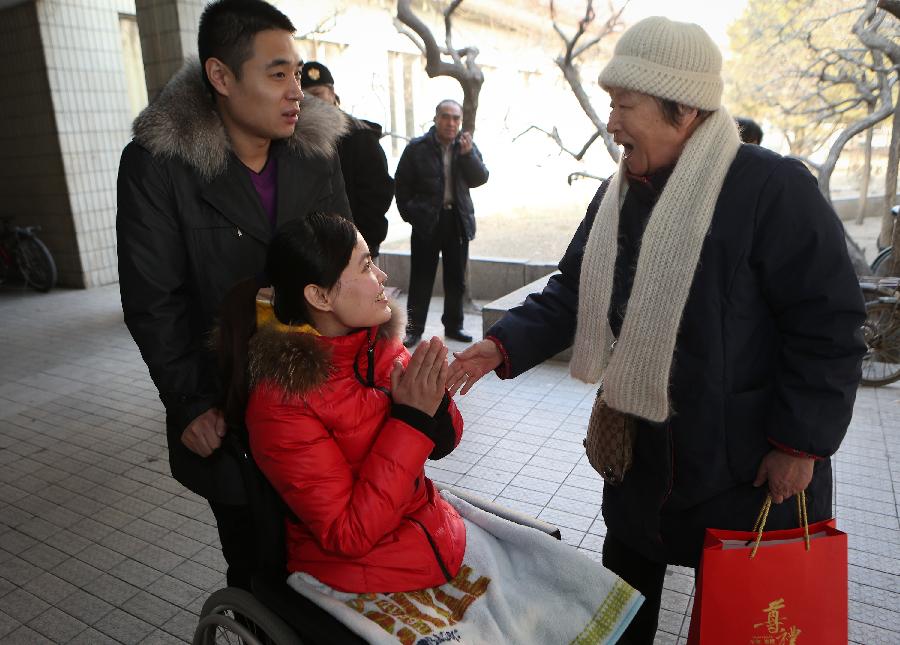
[{"x": 671, "y": 60}]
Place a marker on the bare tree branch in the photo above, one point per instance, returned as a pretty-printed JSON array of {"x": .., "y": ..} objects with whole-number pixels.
[
  {"x": 554, "y": 134},
  {"x": 322, "y": 27},
  {"x": 405, "y": 31},
  {"x": 394, "y": 135},
  {"x": 462, "y": 66},
  {"x": 891, "y": 6},
  {"x": 816, "y": 167},
  {"x": 866, "y": 29},
  {"x": 571, "y": 72},
  {"x": 574, "y": 176}
]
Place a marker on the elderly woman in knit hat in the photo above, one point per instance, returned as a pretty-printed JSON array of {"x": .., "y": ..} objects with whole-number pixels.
[{"x": 709, "y": 290}]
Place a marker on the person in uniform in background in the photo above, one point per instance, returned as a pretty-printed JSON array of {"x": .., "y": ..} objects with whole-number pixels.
[{"x": 370, "y": 187}]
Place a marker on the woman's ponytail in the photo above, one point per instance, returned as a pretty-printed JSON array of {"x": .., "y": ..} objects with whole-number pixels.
[{"x": 237, "y": 323}]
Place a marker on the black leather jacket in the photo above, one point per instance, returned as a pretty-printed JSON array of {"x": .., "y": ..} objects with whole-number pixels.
[
  {"x": 189, "y": 226},
  {"x": 420, "y": 184}
]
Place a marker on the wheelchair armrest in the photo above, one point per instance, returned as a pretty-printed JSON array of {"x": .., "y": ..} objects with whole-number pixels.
[{"x": 502, "y": 511}]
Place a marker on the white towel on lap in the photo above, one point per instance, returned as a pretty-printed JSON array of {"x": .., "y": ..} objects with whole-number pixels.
[{"x": 517, "y": 585}]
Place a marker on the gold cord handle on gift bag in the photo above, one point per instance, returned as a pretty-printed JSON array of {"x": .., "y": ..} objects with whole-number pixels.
[{"x": 760, "y": 524}]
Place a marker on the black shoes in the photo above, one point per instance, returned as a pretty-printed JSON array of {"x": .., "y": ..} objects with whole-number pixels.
[
  {"x": 411, "y": 339},
  {"x": 458, "y": 334}
]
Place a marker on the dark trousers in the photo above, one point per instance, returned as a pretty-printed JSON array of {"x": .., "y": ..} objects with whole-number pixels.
[
  {"x": 236, "y": 533},
  {"x": 452, "y": 244},
  {"x": 644, "y": 575}
]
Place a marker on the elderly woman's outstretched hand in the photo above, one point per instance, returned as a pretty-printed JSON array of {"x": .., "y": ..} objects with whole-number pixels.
[{"x": 471, "y": 364}]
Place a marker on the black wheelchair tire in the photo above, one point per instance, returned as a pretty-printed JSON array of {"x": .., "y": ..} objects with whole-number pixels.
[
  {"x": 237, "y": 612},
  {"x": 36, "y": 264}
]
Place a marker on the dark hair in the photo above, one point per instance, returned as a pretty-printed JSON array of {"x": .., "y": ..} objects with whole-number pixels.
[
  {"x": 673, "y": 111},
  {"x": 308, "y": 250},
  {"x": 437, "y": 108},
  {"x": 227, "y": 29},
  {"x": 749, "y": 130}
]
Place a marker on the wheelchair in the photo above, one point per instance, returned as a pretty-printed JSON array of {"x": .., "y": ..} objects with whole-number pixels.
[{"x": 275, "y": 614}]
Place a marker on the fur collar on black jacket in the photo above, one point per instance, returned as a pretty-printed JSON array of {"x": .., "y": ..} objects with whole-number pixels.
[
  {"x": 182, "y": 122},
  {"x": 299, "y": 362}
]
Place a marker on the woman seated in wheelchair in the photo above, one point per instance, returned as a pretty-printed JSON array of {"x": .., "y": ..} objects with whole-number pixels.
[{"x": 341, "y": 420}]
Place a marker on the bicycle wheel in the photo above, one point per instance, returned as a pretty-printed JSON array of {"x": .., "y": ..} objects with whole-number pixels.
[
  {"x": 881, "y": 364},
  {"x": 233, "y": 615},
  {"x": 36, "y": 264},
  {"x": 881, "y": 265}
]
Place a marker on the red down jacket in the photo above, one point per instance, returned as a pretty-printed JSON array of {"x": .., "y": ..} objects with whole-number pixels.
[{"x": 368, "y": 520}]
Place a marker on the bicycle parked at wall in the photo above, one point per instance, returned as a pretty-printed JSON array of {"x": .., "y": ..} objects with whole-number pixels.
[
  {"x": 881, "y": 265},
  {"x": 22, "y": 253},
  {"x": 881, "y": 364}
]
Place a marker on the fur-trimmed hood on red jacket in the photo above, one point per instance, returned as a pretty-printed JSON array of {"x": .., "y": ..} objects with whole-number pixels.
[
  {"x": 298, "y": 360},
  {"x": 322, "y": 430}
]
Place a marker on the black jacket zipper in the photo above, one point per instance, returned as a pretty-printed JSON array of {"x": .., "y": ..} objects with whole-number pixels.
[
  {"x": 369, "y": 381},
  {"x": 437, "y": 556}
]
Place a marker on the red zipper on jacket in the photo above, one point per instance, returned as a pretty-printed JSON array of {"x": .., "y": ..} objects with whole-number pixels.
[{"x": 437, "y": 556}]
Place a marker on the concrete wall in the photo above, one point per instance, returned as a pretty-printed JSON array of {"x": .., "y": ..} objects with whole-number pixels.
[
  {"x": 168, "y": 36},
  {"x": 489, "y": 278},
  {"x": 66, "y": 117},
  {"x": 33, "y": 185},
  {"x": 847, "y": 209}
]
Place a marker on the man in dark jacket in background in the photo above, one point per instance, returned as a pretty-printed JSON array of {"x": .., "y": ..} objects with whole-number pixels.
[
  {"x": 370, "y": 188},
  {"x": 223, "y": 155},
  {"x": 749, "y": 130},
  {"x": 433, "y": 177}
]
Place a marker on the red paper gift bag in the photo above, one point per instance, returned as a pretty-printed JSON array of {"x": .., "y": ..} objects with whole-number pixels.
[{"x": 791, "y": 592}]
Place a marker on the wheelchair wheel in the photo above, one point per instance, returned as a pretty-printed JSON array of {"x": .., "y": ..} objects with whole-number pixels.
[
  {"x": 881, "y": 364},
  {"x": 236, "y": 617}
]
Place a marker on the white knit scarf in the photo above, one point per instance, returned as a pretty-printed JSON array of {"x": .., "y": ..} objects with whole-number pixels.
[{"x": 636, "y": 376}]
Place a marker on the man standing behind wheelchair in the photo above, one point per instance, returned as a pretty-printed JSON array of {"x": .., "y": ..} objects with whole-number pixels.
[
  {"x": 225, "y": 154},
  {"x": 709, "y": 288}
]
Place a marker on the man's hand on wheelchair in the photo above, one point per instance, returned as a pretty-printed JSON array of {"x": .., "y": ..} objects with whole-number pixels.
[{"x": 204, "y": 434}]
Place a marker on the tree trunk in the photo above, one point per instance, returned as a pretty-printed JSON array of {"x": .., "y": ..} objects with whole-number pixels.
[
  {"x": 890, "y": 185},
  {"x": 471, "y": 90},
  {"x": 838, "y": 146},
  {"x": 462, "y": 68},
  {"x": 866, "y": 173}
]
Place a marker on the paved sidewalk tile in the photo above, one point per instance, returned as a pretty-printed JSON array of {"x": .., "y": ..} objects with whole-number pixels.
[{"x": 98, "y": 544}]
